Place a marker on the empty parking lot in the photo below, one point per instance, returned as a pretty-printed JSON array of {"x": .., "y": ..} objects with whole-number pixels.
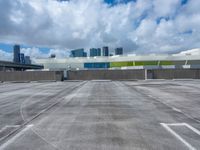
[{"x": 100, "y": 115}]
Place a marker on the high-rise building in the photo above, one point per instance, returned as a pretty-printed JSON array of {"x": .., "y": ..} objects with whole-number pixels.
[
  {"x": 105, "y": 51},
  {"x": 16, "y": 53},
  {"x": 119, "y": 51},
  {"x": 84, "y": 54},
  {"x": 27, "y": 60},
  {"x": 78, "y": 53},
  {"x": 22, "y": 58},
  {"x": 53, "y": 56},
  {"x": 95, "y": 52}
]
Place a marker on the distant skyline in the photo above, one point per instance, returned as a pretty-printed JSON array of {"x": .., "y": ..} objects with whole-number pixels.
[{"x": 139, "y": 26}]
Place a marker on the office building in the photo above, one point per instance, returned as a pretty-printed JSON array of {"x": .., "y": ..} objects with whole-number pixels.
[
  {"x": 27, "y": 60},
  {"x": 95, "y": 52},
  {"x": 105, "y": 51},
  {"x": 22, "y": 59},
  {"x": 84, "y": 54},
  {"x": 16, "y": 54},
  {"x": 78, "y": 53},
  {"x": 53, "y": 56},
  {"x": 119, "y": 51}
]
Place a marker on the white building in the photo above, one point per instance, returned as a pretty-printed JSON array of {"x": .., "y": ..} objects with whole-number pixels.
[{"x": 181, "y": 60}]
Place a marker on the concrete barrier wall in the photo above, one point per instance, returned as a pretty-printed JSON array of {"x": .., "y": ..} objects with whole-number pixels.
[
  {"x": 101, "y": 75},
  {"x": 174, "y": 74},
  {"x": 106, "y": 74},
  {"x": 31, "y": 76},
  {"x": 134, "y": 74}
]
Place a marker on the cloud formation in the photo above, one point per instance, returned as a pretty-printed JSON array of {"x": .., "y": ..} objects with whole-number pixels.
[
  {"x": 37, "y": 53},
  {"x": 141, "y": 26},
  {"x": 5, "y": 56}
]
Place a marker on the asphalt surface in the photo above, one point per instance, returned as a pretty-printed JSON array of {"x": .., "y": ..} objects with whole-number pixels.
[{"x": 100, "y": 115}]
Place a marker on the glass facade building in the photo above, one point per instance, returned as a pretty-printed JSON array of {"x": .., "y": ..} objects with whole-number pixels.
[
  {"x": 105, "y": 51},
  {"x": 95, "y": 52},
  {"x": 22, "y": 58},
  {"x": 27, "y": 60},
  {"x": 119, "y": 51},
  {"x": 78, "y": 53},
  {"x": 16, "y": 53}
]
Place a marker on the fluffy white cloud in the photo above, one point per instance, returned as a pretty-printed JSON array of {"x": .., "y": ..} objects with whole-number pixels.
[
  {"x": 34, "y": 52},
  {"x": 165, "y": 7},
  {"x": 143, "y": 26},
  {"x": 5, "y": 56},
  {"x": 37, "y": 53}
]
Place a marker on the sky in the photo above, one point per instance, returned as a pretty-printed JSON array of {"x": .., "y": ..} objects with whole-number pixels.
[{"x": 43, "y": 27}]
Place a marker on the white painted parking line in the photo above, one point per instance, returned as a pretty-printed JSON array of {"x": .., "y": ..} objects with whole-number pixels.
[
  {"x": 3, "y": 146},
  {"x": 173, "y": 108},
  {"x": 167, "y": 127},
  {"x": 101, "y": 80},
  {"x": 176, "y": 109},
  {"x": 175, "y": 124},
  {"x": 192, "y": 128}
]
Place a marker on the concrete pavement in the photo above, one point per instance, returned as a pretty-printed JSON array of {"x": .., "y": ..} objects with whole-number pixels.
[{"x": 106, "y": 115}]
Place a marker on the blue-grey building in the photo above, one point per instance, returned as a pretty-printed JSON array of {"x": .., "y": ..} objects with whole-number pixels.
[
  {"x": 16, "y": 54},
  {"x": 95, "y": 52},
  {"x": 78, "y": 53},
  {"x": 53, "y": 56},
  {"x": 84, "y": 54},
  {"x": 119, "y": 51},
  {"x": 27, "y": 60},
  {"x": 105, "y": 51},
  {"x": 22, "y": 58}
]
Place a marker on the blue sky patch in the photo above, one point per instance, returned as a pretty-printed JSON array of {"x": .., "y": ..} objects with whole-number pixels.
[
  {"x": 183, "y": 2},
  {"x": 114, "y": 2},
  {"x": 98, "y": 23},
  {"x": 9, "y": 48},
  {"x": 161, "y": 18},
  {"x": 188, "y": 32}
]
